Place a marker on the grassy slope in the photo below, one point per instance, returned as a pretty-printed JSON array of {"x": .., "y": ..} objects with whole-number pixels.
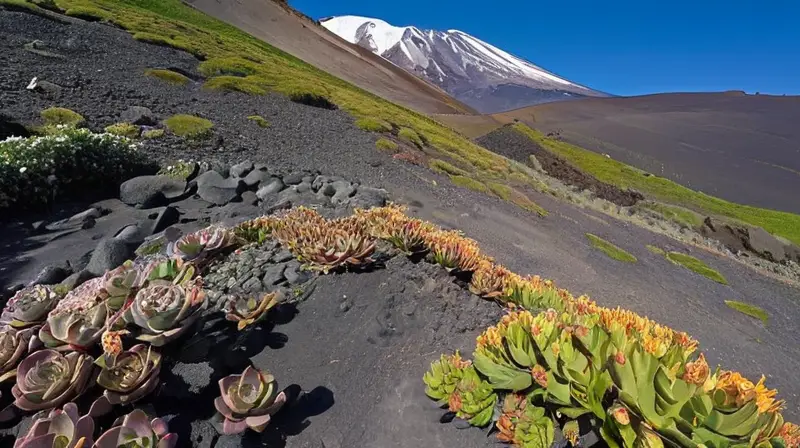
[
  {"x": 617, "y": 173},
  {"x": 172, "y": 23}
]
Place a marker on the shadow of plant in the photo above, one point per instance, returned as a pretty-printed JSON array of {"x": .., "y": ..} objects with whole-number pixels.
[{"x": 293, "y": 418}]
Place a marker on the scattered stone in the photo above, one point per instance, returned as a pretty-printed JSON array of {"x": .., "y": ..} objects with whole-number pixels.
[
  {"x": 77, "y": 279},
  {"x": 249, "y": 198},
  {"x": 303, "y": 187},
  {"x": 241, "y": 169},
  {"x": 214, "y": 188},
  {"x": 132, "y": 234},
  {"x": 367, "y": 197},
  {"x": 109, "y": 254},
  {"x": 83, "y": 220},
  {"x": 253, "y": 284},
  {"x": 44, "y": 87},
  {"x": 293, "y": 178},
  {"x": 328, "y": 190},
  {"x": 151, "y": 191},
  {"x": 165, "y": 218},
  {"x": 765, "y": 245},
  {"x": 139, "y": 115},
  {"x": 10, "y": 128},
  {"x": 270, "y": 188},
  {"x": 273, "y": 275},
  {"x": 282, "y": 256},
  {"x": 256, "y": 177},
  {"x": 50, "y": 275},
  {"x": 344, "y": 190},
  {"x": 293, "y": 273}
]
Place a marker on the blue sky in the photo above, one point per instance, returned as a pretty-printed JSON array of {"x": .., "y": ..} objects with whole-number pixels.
[{"x": 622, "y": 47}]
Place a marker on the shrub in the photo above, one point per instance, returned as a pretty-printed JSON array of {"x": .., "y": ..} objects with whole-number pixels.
[
  {"x": 168, "y": 76},
  {"x": 152, "y": 134},
  {"x": 124, "y": 130},
  {"x": 410, "y": 136},
  {"x": 695, "y": 265},
  {"x": 35, "y": 170},
  {"x": 311, "y": 97},
  {"x": 386, "y": 144},
  {"x": 250, "y": 85},
  {"x": 59, "y": 116},
  {"x": 442, "y": 167},
  {"x": 259, "y": 120},
  {"x": 373, "y": 125},
  {"x": 228, "y": 66},
  {"x": 87, "y": 13},
  {"x": 468, "y": 182},
  {"x": 610, "y": 249},
  {"x": 189, "y": 126}
]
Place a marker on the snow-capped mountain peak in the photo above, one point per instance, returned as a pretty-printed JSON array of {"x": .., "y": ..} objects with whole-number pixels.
[{"x": 468, "y": 68}]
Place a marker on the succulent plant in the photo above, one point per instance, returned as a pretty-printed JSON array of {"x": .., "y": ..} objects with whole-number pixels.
[
  {"x": 338, "y": 247},
  {"x": 165, "y": 310},
  {"x": 79, "y": 318},
  {"x": 246, "y": 311},
  {"x": 490, "y": 280},
  {"x": 122, "y": 282},
  {"x": 534, "y": 294},
  {"x": 523, "y": 424},
  {"x": 455, "y": 383},
  {"x": 453, "y": 251},
  {"x": 201, "y": 244},
  {"x": 29, "y": 306},
  {"x": 63, "y": 428},
  {"x": 410, "y": 235},
  {"x": 48, "y": 378},
  {"x": 132, "y": 376},
  {"x": 248, "y": 400},
  {"x": 136, "y": 431},
  {"x": 790, "y": 433},
  {"x": 14, "y": 344}
]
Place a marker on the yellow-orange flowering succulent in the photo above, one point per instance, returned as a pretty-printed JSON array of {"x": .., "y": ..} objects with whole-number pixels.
[{"x": 740, "y": 391}]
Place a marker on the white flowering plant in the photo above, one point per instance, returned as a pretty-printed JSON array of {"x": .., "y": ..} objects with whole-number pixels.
[{"x": 68, "y": 163}]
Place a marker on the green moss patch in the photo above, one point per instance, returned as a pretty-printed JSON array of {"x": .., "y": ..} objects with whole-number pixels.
[
  {"x": 88, "y": 13},
  {"x": 233, "y": 66},
  {"x": 693, "y": 264},
  {"x": 55, "y": 116},
  {"x": 168, "y": 76},
  {"x": 610, "y": 249},
  {"x": 750, "y": 310},
  {"x": 410, "y": 136},
  {"x": 386, "y": 144},
  {"x": 468, "y": 182},
  {"x": 259, "y": 120},
  {"x": 250, "y": 85},
  {"x": 442, "y": 167},
  {"x": 516, "y": 197},
  {"x": 373, "y": 125},
  {"x": 656, "y": 250},
  {"x": 678, "y": 215},
  {"x": 189, "y": 126},
  {"x": 124, "y": 130},
  {"x": 310, "y": 96},
  {"x": 152, "y": 134}
]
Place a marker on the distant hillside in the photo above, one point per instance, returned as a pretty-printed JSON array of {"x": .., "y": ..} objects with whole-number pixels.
[
  {"x": 299, "y": 36},
  {"x": 743, "y": 148}
]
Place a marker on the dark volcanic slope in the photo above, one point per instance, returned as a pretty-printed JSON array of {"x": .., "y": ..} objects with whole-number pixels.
[
  {"x": 741, "y": 148},
  {"x": 270, "y": 22}
]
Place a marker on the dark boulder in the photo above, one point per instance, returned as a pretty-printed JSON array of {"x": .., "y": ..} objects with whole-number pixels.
[{"x": 151, "y": 191}]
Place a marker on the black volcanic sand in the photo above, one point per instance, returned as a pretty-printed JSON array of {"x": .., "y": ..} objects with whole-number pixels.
[
  {"x": 743, "y": 148},
  {"x": 514, "y": 145},
  {"x": 359, "y": 359}
]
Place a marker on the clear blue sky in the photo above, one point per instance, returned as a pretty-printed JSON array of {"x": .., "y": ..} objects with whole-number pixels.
[{"x": 620, "y": 46}]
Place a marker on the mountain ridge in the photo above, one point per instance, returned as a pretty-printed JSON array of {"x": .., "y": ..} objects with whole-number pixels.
[{"x": 477, "y": 73}]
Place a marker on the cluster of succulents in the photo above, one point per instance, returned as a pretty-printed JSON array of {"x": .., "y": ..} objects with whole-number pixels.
[
  {"x": 246, "y": 311},
  {"x": 454, "y": 252},
  {"x": 248, "y": 400},
  {"x": 198, "y": 246},
  {"x": 639, "y": 382},
  {"x": 455, "y": 384}
]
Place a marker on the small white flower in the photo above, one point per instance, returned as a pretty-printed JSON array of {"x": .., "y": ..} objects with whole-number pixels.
[{"x": 23, "y": 169}]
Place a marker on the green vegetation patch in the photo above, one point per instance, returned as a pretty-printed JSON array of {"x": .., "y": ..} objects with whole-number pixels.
[
  {"x": 386, "y": 144},
  {"x": 152, "y": 134},
  {"x": 124, "y": 130},
  {"x": 178, "y": 170},
  {"x": 617, "y": 173},
  {"x": 468, "y": 182},
  {"x": 442, "y": 167},
  {"x": 250, "y": 85},
  {"x": 59, "y": 116},
  {"x": 693, "y": 264},
  {"x": 88, "y": 13},
  {"x": 410, "y": 136},
  {"x": 373, "y": 125},
  {"x": 678, "y": 215},
  {"x": 82, "y": 161},
  {"x": 231, "y": 66},
  {"x": 610, "y": 249},
  {"x": 516, "y": 197},
  {"x": 189, "y": 126},
  {"x": 310, "y": 96},
  {"x": 750, "y": 310},
  {"x": 168, "y": 76},
  {"x": 656, "y": 250},
  {"x": 259, "y": 120}
]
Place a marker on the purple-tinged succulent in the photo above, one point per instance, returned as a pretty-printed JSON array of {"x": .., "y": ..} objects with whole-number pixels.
[
  {"x": 48, "y": 378},
  {"x": 248, "y": 400},
  {"x": 14, "y": 344},
  {"x": 29, "y": 306},
  {"x": 79, "y": 319},
  {"x": 63, "y": 428},
  {"x": 201, "y": 244},
  {"x": 246, "y": 311},
  {"x": 165, "y": 310},
  {"x": 133, "y": 375},
  {"x": 120, "y": 283},
  {"x": 136, "y": 431}
]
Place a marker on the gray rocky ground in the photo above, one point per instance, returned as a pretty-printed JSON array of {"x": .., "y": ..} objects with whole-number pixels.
[{"x": 357, "y": 344}]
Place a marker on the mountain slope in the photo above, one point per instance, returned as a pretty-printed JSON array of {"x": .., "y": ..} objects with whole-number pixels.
[
  {"x": 300, "y": 37},
  {"x": 738, "y": 147},
  {"x": 475, "y": 72}
]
